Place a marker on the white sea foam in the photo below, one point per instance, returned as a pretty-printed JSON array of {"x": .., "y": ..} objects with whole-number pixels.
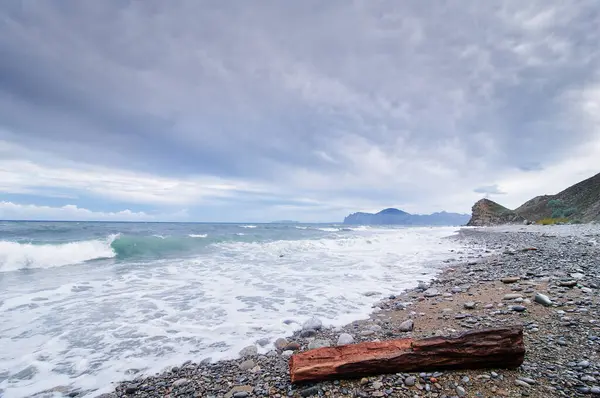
[
  {"x": 328, "y": 229},
  {"x": 198, "y": 235},
  {"x": 87, "y": 326},
  {"x": 248, "y": 226},
  {"x": 14, "y": 256},
  {"x": 297, "y": 227}
]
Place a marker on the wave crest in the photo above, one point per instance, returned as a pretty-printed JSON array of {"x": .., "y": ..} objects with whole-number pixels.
[{"x": 15, "y": 256}]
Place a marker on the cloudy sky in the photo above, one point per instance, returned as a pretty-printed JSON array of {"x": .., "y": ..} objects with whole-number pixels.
[{"x": 307, "y": 110}]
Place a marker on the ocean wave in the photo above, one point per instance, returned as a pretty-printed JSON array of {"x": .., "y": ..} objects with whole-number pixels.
[
  {"x": 198, "y": 235},
  {"x": 328, "y": 229},
  {"x": 297, "y": 227},
  {"x": 15, "y": 256},
  {"x": 248, "y": 226}
]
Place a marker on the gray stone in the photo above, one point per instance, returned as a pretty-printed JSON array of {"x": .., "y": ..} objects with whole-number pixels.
[
  {"x": 312, "y": 323},
  {"x": 263, "y": 342},
  {"x": 510, "y": 279},
  {"x": 180, "y": 382},
  {"x": 521, "y": 383},
  {"x": 377, "y": 385},
  {"x": 469, "y": 305},
  {"x": 410, "y": 381},
  {"x": 249, "y": 351},
  {"x": 567, "y": 283},
  {"x": 287, "y": 354},
  {"x": 542, "y": 299},
  {"x": 595, "y": 390},
  {"x": 345, "y": 338},
  {"x": 511, "y": 296},
  {"x": 319, "y": 343},
  {"x": 308, "y": 333},
  {"x": 460, "y": 391},
  {"x": 375, "y": 328},
  {"x": 309, "y": 392},
  {"x": 247, "y": 365},
  {"x": 584, "y": 364},
  {"x": 280, "y": 343},
  {"x": 406, "y": 326},
  {"x": 456, "y": 289},
  {"x": 372, "y": 293},
  {"x": 367, "y": 332},
  {"x": 518, "y": 308},
  {"x": 431, "y": 292},
  {"x": 527, "y": 380}
]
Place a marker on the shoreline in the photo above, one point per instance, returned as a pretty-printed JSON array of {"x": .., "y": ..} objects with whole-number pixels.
[{"x": 463, "y": 296}]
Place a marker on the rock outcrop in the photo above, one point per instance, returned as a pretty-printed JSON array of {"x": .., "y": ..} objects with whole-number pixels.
[
  {"x": 487, "y": 213},
  {"x": 578, "y": 203}
]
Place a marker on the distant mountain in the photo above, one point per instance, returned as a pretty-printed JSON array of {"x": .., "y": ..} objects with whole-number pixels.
[
  {"x": 578, "y": 203},
  {"x": 399, "y": 217}
]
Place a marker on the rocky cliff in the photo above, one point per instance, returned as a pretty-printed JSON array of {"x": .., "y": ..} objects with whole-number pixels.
[
  {"x": 487, "y": 212},
  {"x": 578, "y": 203},
  {"x": 399, "y": 217}
]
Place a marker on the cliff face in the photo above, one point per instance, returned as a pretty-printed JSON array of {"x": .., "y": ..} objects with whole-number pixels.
[
  {"x": 399, "y": 217},
  {"x": 487, "y": 212},
  {"x": 580, "y": 202}
]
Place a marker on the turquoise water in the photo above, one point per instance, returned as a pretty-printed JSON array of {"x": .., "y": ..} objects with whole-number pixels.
[{"x": 86, "y": 304}]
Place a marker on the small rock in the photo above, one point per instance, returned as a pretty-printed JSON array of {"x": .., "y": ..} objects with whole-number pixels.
[
  {"x": 527, "y": 380},
  {"x": 410, "y": 381},
  {"x": 292, "y": 346},
  {"x": 280, "y": 343},
  {"x": 367, "y": 332},
  {"x": 308, "y": 333},
  {"x": 237, "y": 390},
  {"x": 521, "y": 383},
  {"x": 309, "y": 392},
  {"x": 312, "y": 323},
  {"x": 431, "y": 292},
  {"x": 406, "y": 326},
  {"x": 577, "y": 275},
  {"x": 287, "y": 354},
  {"x": 263, "y": 342},
  {"x": 131, "y": 389},
  {"x": 377, "y": 385},
  {"x": 249, "y": 351},
  {"x": 510, "y": 279},
  {"x": 247, "y": 365},
  {"x": 319, "y": 343},
  {"x": 511, "y": 296},
  {"x": 372, "y": 293},
  {"x": 469, "y": 305},
  {"x": 542, "y": 299},
  {"x": 567, "y": 283},
  {"x": 518, "y": 308},
  {"x": 345, "y": 338},
  {"x": 460, "y": 391},
  {"x": 180, "y": 382}
]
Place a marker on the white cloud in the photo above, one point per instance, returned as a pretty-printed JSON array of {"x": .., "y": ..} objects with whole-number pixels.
[{"x": 16, "y": 211}]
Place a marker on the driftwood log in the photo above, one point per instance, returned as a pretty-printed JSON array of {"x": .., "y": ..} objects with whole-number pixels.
[{"x": 484, "y": 348}]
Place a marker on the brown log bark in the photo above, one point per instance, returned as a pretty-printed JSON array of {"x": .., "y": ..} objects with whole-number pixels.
[{"x": 485, "y": 348}]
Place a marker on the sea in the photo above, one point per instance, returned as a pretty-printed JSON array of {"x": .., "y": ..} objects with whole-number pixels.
[{"x": 87, "y": 304}]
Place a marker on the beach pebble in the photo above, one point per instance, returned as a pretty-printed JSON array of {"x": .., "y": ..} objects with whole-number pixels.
[
  {"x": 460, "y": 391},
  {"x": 249, "y": 351},
  {"x": 406, "y": 326},
  {"x": 431, "y": 292},
  {"x": 469, "y": 305},
  {"x": 180, "y": 382},
  {"x": 521, "y": 383},
  {"x": 319, "y": 343},
  {"x": 247, "y": 365},
  {"x": 518, "y": 308},
  {"x": 312, "y": 324},
  {"x": 291, "y": 346},
  {"x": 567, "y": 283},
  {"x": 344, "y": 339},
  {"x": 512, "y": 296},
  {"x": 280, "y": 343},
  {"x": 287, "y": 354},
  {"x": 410, "y": 381},
  {"x": 510, "y": 279},
  {"x": 308, "y": 333}
]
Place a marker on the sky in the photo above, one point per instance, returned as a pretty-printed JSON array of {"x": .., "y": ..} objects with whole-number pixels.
[{"x": 268, "y": 110}]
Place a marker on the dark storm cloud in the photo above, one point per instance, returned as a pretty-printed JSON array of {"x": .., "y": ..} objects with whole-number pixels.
[{"x": 301, "y": 94}]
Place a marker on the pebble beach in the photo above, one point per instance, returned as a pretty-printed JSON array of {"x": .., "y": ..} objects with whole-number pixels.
[{"x": 545, "y": 279}]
